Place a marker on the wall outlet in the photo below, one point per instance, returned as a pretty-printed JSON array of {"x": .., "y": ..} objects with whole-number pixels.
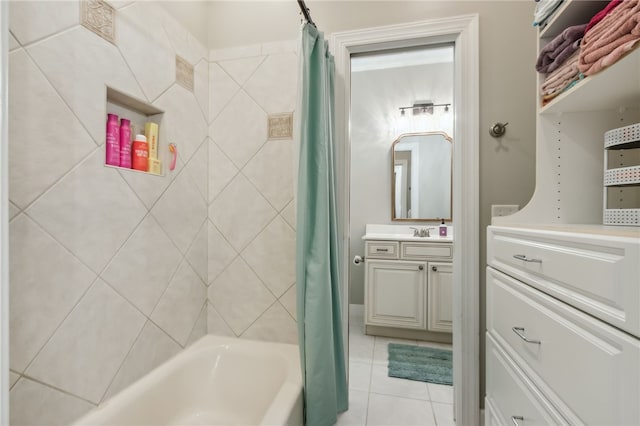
[{"x": 503, "y": 209}]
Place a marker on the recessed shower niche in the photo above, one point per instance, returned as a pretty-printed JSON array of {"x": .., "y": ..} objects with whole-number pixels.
[{"x": 141, "y": 118}]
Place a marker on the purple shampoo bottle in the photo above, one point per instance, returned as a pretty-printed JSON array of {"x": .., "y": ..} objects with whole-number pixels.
[
  {"x": 125, "y": 143},
  {"x": 113, "y": 141}
]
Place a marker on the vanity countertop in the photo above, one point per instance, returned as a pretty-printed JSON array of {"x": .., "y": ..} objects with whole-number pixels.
[{"x": 405, "y": 233}]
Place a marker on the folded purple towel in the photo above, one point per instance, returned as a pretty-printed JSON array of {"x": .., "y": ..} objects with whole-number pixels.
[{"x": 558, "y": 50}]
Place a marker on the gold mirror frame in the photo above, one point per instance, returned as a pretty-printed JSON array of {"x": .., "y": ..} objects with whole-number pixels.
[{"x": 393, "y": 182}]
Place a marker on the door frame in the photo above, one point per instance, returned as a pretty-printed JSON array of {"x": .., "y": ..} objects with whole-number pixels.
[{"x": 463, "y": 31}]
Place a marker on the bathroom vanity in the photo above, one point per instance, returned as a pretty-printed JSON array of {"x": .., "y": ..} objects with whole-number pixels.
[{"x": 408, "y": 282}]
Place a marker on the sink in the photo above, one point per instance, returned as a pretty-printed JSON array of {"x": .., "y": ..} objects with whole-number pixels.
[{"x": 405, "y": 233}]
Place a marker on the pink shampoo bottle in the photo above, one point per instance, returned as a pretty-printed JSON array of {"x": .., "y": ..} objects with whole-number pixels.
[
  {"x": 125, "y": 143},
  {"x": 113, "y": 141}
]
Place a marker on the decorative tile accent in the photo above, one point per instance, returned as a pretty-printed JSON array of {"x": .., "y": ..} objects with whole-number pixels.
[
  {"x": 100, "y": 17},
  {"x": 280, "y": 126},
  {"x": 184, "y": 73}
]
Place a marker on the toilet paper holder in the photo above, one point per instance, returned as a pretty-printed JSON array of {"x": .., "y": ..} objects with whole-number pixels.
[{"x": 358, "y": 260}]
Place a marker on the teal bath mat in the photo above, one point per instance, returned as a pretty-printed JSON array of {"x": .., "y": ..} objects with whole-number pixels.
[{"x": 421, "y": 363}]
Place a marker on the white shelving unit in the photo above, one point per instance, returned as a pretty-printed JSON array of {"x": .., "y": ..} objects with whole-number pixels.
[
  {"x": 561, "y": 280},
  {"x": 570, "y": 132}
]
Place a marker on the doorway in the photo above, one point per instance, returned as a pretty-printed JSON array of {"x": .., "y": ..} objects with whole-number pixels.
[{"x": 463, "y": 33}]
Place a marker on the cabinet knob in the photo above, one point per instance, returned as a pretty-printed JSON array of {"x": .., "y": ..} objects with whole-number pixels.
[
  {"x": 434, "y": 268},
  {"x": 421, "y": 267}
]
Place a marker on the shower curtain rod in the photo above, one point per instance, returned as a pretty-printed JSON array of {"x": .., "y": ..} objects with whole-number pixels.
[{"x": 305, "y": 11}]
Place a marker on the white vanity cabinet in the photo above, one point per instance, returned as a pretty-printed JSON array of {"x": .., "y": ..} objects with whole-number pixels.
[
  {"x": 563, "y": 326},
  {"x": 408, "y": 285}
]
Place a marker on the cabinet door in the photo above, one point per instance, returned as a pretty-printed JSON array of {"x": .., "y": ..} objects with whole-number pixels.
[
  {"x": 440, "y": 297},
  {"x": 395, "y": 294}
]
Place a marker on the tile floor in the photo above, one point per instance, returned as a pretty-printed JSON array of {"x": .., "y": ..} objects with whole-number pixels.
[{"x": 375, "y": 398}]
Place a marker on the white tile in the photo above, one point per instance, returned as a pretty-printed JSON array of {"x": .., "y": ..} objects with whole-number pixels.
[
  {"x": 356, "y": 415},
  {"x": 443, "y": 414},
  {"x": 239, "y": 296},
  {"x": 221, "y": 171},
  {"x": 80, "y": 65},
  {"x": 84, "y": 354},
  {"x": 274, "y": 84},
  {"x": 216, "y": 325},
  {"x": 184, "y": 43},
  {"x": 197, "y": 169},
  {"x": 271, "y": 171},
  {"x": 47, "y": 140},
  {"x": 180, "y": 305},
  {"x": 285, "y": 46},
  {"x": 152, "y": 348},
  {"x": 240, "y": 212},
  {"x": 13, "y": 210},
  {"x": 222, "y": 88},
  {"x": 148, "y": 187},
  {"x": 387, "y": 410},
  {"x": 145, "y": 17},
  {"x": 33, "y": 20},
  {"x": 33, "y": 403},
  {"x": 272, "y": 255},
  {"x": 13, "y": 43},
  {"x": 228, "y": 53},
  {"x": 240, "y": 129},
  {"x": 289, "y": 214},
  {"x": 383, "y": 384},
  {"x": 201, "y": 86},
  {"x": 289, "y": 300},
  {"x": 241, "y": 69},
  {"x": 181, "y": 211},
  {"x": 381, "y": 349},
  {"x": 13, "y": 378},
  {"x": 200, "y": 328},
  {"x": 141, "y": 270},
  {"x": 220, "y": 252},
  {"x": 197, "y": 254},
  {"x": 46, "y": 282},
  {"x": 359, "y": 375},
  {"x": 152, "y": 61},
  {"x": 441, "y": 393},
  {"x": 361, "y": 347},
  {"x": 91, "y": 211},
  {"x": 183, "y": 121},
  {"x": 275, "y": 325}
]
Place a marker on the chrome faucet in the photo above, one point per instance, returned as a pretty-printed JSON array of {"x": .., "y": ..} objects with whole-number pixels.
[{"x": 422, "y": 232}]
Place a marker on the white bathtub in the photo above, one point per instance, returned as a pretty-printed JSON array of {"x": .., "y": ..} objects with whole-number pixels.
[{"x": 216, "y": 381}]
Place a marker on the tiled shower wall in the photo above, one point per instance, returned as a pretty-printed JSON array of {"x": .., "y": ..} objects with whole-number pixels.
[
  {"x": 251, "y": 210},
  {"x": 108, "y": 268}
]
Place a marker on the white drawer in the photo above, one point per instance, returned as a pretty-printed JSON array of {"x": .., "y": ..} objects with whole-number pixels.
[
  {"x": 599, "y": 275},
  {"x": 426, "y": 251},
  {"x": 511, "y": 397},
  {"x": 382, "y": 249},
  {"x": 587, "y": 368}
]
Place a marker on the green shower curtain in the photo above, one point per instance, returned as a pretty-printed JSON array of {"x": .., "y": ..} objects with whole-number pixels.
[{"x": 317, "y": 258}]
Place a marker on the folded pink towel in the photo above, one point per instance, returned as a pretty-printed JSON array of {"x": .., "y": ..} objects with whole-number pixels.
[
  {"x": 604, "y": 12},
  {"x": 611, "y": 38},
  {"x": 558, "y": 50},
  {"x": 561, "y": 77}
]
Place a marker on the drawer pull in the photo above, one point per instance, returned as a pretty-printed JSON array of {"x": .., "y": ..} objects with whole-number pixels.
[
  {"x": 520, "y": 332},
  {"x": 515, "y": 419},
  {"x": 526, "y": 259},
  {"x": 382, "y": 249},
  {"x": 421, "y": 267}
]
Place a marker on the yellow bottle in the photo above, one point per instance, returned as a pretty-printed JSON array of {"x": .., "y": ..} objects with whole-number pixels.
[{"x": 151, "y": 132}]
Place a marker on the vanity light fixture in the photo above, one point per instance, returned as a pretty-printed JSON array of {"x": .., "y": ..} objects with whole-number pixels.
[{"x": 423, "y": 107}]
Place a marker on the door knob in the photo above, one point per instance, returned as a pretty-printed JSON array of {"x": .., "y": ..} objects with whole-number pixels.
[
  {"x": 421, "y": 267},
  {"x": 434, "y": 268}
]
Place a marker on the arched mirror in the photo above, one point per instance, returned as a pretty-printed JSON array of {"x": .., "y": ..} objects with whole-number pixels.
[{"x": 421, "y": 177}]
